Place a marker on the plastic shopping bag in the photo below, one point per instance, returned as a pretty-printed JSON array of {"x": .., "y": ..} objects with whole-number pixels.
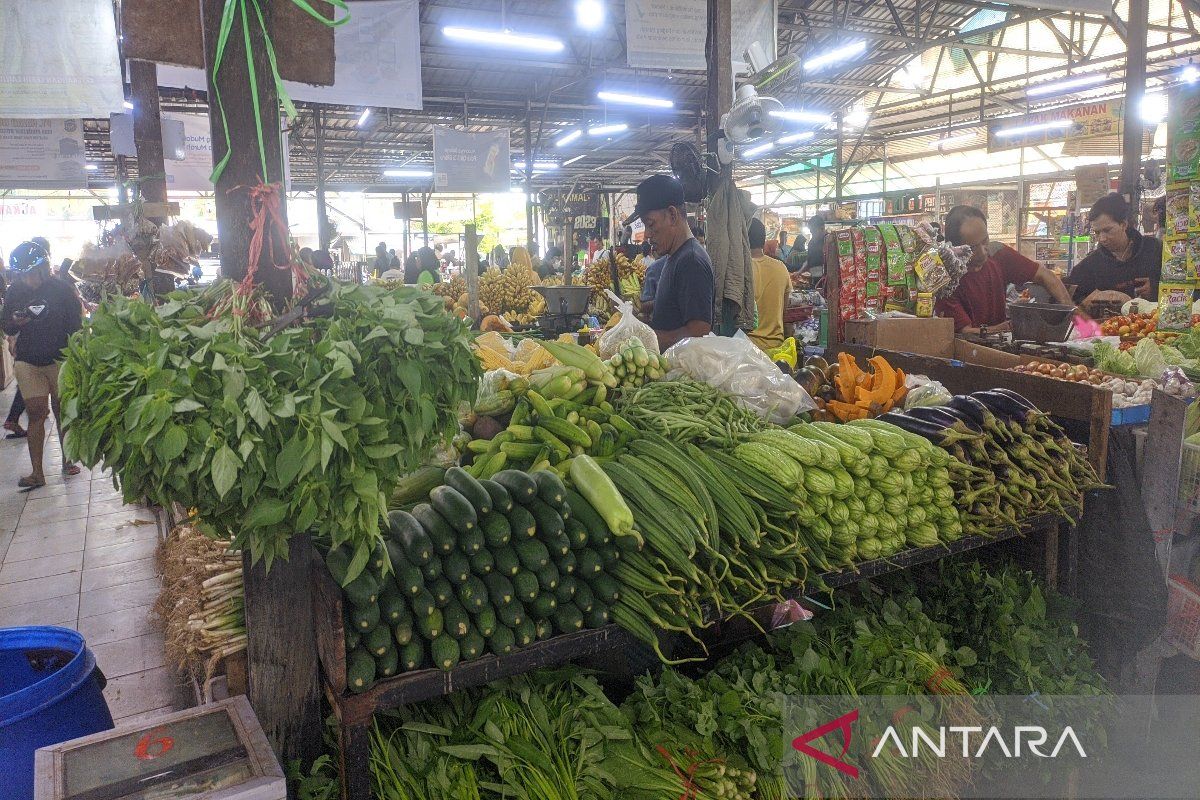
[
  {"x": 737, "y": 366},
  {"x": 629, "y": 327}
]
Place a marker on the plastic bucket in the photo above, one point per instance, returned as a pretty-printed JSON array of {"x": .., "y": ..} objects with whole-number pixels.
[{"x": 50, "y": 691}]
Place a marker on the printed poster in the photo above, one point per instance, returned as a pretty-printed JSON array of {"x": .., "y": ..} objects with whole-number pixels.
[
  {"x": 470, "y": 162},
  {"x": 670, "y": 34},
  {"x": 58, "y": 59},
  {"x": 42, "y": 154}
]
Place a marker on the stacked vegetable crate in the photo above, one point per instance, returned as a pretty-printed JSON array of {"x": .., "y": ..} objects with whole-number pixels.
[{"x": 485, "y": 566}]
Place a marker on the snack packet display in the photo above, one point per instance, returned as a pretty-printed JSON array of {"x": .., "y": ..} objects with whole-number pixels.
[
  {"x": 847, "y": 274},
  {"x": 1175, "y": 306},
  {"x": 1175, "y": 260},
  {"x": 873, "y": 285},
  {"x": 1178, "y": 209},
  {"x": 1193, "y": 259},
  {"x": 860, "y": 267},
  {"x": 1194, "y": 207},
  {"x": 932, "y": 275}
]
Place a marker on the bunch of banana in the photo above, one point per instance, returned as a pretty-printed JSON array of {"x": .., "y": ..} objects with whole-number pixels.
[
  {"x": 632, "y": 365},
  {"x": 508, "y": 291}
]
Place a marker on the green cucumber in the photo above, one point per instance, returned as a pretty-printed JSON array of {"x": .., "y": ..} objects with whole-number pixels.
[
  {"x": 548, "y": 578},
  {"x": 445, "y": 652},
  {"x": 502, "y": 501},
  {"x": 387, "y": 662},
  {"x": 432, "y": 570},
  {"x": 402, "y": 631},
  {"x": 526, "y": 585},
  {"x": 455, "y": 620},
  {"x": 378, "y": 640},
  {"x": 442, "y": 592},
  {"x": 559, "y": 543},
  {"x": 544, "y": 605},
  {"x": 457, "y": 567},
  {"x": 500, "y": 588},
  {"x": 549, "y": 523},
  {"x": 413, "y": 655},
  {"x": 525, "y": 633},
  {"x": 522, "y": 523},
  {"x": 610, "y": 554},
  {"x": 393, "y": 606},
  {"x": 338, "y": 561},
  {"x": 454, "y": 508},
  {"x": 473, "y": 594},
  {"x": 508, "y": 563},
  {"x": 379, "y": 560},
  {"x": 365, "y": 617},
  {"x": 590, "y": 563},
  {"x": 416, "y": 485},
  {"x": 567, "y": 618},
  {"x": 583, "y": 511},
  {"x": 360, "y": 670},
  {"x": 597, "y": 617},
  {"x": 409, "y": 580},
  {"x": 441, "y": 533},
  {"x": 533, "y": 554},
  {"x": 576, "y": 532},
  {"x": 485, "y": 621},
  {"x": 411, "y": 536},
  {"x": 353, "y": 637},
  {"x": 585, "y": 597},
  {"x": 501, "y": 641},
  {"x": 567, "y": 564},
  {"x": 483, "y": 562},
  {"x": 363, "y": 590},
  {"x": 511, "y": 614},
  {"x": 519, "y": 485},
  {"x": 472, "y": 645},
  {"x": 496, "y": 530},
  {"x": 545, "y": 629},
  {"x": 565, "y": 592},
  {"x": 550, "y": 488},
  {"x": 430, "y": 625},
  {"x": 470, "y": 488},
  {"x": 423, "y": 604},
  {"x": 471, "y": 542},
  {"x": 606, "y": 588}
]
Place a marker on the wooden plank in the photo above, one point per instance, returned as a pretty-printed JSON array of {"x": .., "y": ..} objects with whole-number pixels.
[
  {"x": 329, "y": 624},
  {"x": 147, "y": 137},
  {"x": 170, "y": 32},
  {"x": 1067, "y": 400},
  {"x": 1160, "y": 470},
  {"x": 472, "y": 272},
  {"x": 354, "y": 760}
]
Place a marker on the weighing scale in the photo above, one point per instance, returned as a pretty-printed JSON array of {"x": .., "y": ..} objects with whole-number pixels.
[
  {"x": 214, "y": 752},
  {"x": 565, "y": 308}
]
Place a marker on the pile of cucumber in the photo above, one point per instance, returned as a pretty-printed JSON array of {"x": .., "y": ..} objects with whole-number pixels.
[{"x": 485, "y": 566}]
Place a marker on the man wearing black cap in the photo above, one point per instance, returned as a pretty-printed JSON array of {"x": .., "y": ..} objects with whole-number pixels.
[{"x": 683, "y": 302}]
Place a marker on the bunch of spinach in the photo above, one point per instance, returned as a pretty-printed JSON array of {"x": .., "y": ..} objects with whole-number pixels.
[{"x": 307, "y": 430}]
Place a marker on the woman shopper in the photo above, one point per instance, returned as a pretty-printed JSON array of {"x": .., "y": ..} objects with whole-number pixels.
[
  {"x": 44, "y": 311},
  {"x": 12, "y": 423}
]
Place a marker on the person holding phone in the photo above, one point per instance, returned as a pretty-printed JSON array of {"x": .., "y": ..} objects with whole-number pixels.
[{"x": 43, "y": 311}]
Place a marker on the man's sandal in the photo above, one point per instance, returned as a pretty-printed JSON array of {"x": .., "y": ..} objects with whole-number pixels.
[{"x": 31, "y": 482}]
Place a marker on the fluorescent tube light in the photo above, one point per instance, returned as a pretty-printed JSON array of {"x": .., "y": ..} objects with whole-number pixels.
[
  {"x": 91, "y": 167},
  {"x": 815, "y": 117},
  {"x": 635, "y": 99},
  {"x": 507, "y": 39},
  {"x": 837, "y": 54},
  {"x": 758, "y": 150},
  {"x": 1019, "y": 130},
  {"x": 363, "y": 117},
  {"x": 1190, "y": 73},
  {"x": 408, "y": 173},
  {"x": 607, "y": 130},
  {"x": 538, "y": 166},
  {"x": 794, "y": 137},
  {"x": 589, "y": 14},
  {"x": 567, "y": 138},
  {"x": 570, "y": 161},
  {"x": 1066, "y": 86},
  {"x": 956, "y": 140}
]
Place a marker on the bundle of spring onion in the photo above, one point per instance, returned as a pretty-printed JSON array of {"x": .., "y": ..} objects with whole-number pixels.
[
  {"x": 201, "y": 603},
  {"x": 1019, "y": 463}
]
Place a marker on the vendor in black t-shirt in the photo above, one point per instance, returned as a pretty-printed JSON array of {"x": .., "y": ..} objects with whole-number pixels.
[
  {"x": 1125, "y": 265},
  {"x": 683, "y": 302}
]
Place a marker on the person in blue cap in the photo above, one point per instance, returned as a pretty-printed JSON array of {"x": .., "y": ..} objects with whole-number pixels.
[{"x": 42, "y": 311}]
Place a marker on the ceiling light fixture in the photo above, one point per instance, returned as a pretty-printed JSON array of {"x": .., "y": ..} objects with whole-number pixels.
[
  {"x": 955, "y": 140},
  {"x": 589, "y": 14},
  {"x": 815, "y": 117},
  {"x": 407, "y": 173},
  {"x": 1153, "y": 108},
  {"x": 1020, "y": 130},
  {"x": 538, "y": 166},
  {"x": 567, "y": 138},
  {"x": 833, "y": 56},
  {"x": 634, "y": 99},
  {"x": 758, "y": 150},
  {"x": 857, "y": 117},
  {"x": 608, "y": 130},
  {"x": 128, "y": 105},
  {"x": 571, "y": 161},
  {"x": 1190, "y": 73},
  {"x": 91, "y": 167},
  {"x": 507, "y": 39},
  {"x": 1066, "y": 86},
  {"x": 794, "y": 137},
  {"x": 363, "y": 117}
]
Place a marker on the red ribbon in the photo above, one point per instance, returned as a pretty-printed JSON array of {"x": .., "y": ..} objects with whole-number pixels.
[
  {"x": 268, "y": 230},
  {"x": 690, "y": 789}
]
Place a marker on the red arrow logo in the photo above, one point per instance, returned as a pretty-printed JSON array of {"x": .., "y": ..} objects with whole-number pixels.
[{"x": 842, "y": 723}]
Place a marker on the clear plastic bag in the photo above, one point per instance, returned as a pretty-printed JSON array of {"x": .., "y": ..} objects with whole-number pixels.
[
  {"x": 494, "y": 396},
  {"x": 924, "y": 392},
  {"x": 628, "y": 327},
  {"x": 737, "y": 366}
]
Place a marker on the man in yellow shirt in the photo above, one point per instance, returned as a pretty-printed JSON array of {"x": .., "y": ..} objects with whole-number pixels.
[{"x": 772, "y": 285}]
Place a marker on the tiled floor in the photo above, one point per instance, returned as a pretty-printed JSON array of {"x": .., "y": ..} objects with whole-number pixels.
[{"x": 72, "y": 554}]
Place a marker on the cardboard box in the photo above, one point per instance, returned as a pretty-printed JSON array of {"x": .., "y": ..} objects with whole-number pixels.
[
  {"x": 973, "y": 353},
  {"x": 933, "y": 336}
]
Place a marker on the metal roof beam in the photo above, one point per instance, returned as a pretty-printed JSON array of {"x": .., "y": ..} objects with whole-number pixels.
[{"x": 925, "y": 44}]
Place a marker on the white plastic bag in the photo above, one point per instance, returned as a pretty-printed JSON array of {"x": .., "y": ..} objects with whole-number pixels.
[
  {"x": 628, "y": 327},
  {"x": 736, "y": 366}
]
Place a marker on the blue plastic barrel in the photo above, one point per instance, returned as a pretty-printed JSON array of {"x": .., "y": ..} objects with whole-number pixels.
[{"x": 50, "y": 691}]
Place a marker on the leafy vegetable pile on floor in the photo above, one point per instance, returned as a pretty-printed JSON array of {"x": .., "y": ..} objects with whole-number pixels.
[{"x": 308, "y": 430}]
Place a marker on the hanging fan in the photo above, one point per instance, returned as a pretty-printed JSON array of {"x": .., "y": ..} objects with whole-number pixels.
[
  {"x": 750, "y": 117},
  {"x": 689, "y": 169}
]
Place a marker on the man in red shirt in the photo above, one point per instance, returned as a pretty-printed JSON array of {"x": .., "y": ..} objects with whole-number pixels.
[{"x": 980, "y": 299}]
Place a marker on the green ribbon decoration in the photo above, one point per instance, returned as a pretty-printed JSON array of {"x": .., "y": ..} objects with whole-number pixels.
[{"x": 235, "y": 9}]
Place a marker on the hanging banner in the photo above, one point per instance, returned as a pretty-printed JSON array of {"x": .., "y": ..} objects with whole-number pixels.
[
  {"x": 42, "y": 154},
  {"x": 59, "y": 59},
  {"x": 1072, "y": 124},
  {"x": 580, "y": 208},
  {"x": 190, "y": 174},
  {"x": 378, "y": 60},
  {"x": 470, "y": 162},
  {"x": 670, "y": 34}
]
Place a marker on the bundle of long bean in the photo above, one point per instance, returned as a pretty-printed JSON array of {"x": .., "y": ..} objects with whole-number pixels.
[
  {"x": 201, "y": 603},
  {"x": 686, "y": 410}
]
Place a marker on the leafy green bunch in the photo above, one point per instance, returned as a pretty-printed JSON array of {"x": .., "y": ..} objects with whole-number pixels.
[{"x": 306, "y": 430}]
